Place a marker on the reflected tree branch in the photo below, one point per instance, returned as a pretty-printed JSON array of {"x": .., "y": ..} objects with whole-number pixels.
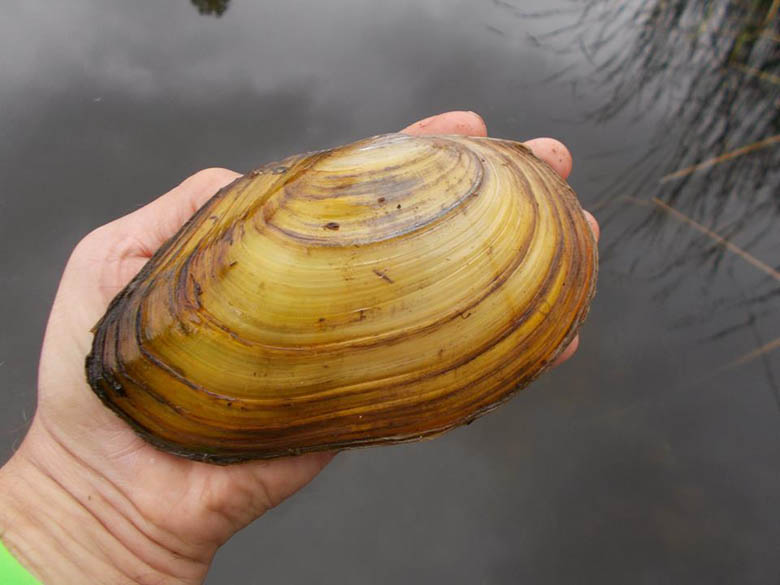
[{"x": 215, "y": 7}]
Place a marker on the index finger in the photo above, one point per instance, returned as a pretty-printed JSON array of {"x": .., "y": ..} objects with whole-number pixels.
[{"x": 464, "y": 123}]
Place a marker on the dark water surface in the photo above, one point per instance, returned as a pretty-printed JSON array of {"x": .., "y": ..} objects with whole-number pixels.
[{"x": 654, "y": 455}]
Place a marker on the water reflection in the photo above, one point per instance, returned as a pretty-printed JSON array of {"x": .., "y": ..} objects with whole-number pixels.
[
  {"x": 705, "y": 189},
  {"x": 215, "y": 7},
  {"x": 615, "y": 456}
]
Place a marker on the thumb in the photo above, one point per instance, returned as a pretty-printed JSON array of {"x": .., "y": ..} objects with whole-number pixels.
[{"x": 157, "y": 221}]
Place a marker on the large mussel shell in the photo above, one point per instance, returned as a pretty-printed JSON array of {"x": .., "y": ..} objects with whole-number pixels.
[{"x": 380, "y": 292}]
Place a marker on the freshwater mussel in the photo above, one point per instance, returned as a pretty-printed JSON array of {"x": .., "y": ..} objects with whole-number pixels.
[{"x": 380, "y": 292}]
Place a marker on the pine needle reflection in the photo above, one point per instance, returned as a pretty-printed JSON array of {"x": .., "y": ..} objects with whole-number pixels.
[{"x": 709, "y": 72}]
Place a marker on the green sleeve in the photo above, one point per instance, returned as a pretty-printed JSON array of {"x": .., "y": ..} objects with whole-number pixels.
[{"x": 13, "y": 573}]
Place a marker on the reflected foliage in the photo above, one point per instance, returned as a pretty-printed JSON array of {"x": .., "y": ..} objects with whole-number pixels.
[
  {"x": 215, "y": 7},
  {"x": 710, "y": 72}
]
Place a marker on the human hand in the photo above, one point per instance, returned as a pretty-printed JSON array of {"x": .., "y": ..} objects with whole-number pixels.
[{"x": 86, "y": 500}]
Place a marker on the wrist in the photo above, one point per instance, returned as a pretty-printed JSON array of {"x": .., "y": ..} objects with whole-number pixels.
[{"x": 66, "y": 524}]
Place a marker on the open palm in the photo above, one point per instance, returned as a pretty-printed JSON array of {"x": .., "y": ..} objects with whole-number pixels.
[{"x": 161, "y": 501}]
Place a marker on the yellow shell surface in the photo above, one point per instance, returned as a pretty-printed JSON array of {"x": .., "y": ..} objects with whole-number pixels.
[{"x": 380, "y": 292}]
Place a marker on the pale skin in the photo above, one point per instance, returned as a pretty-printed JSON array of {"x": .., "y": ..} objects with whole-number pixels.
[{"x": 85, "y": 500}]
